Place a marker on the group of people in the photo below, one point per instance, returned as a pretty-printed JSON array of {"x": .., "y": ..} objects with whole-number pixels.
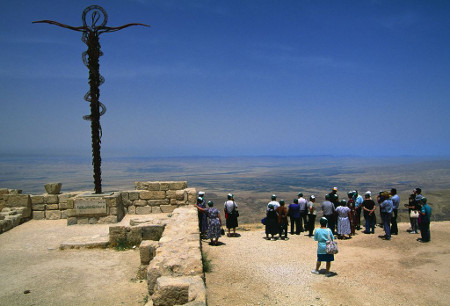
[{"x": 209, "y": 220}]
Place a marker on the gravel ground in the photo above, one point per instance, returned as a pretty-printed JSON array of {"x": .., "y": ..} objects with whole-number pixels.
[
  {"x": 249, "y": 270},
  {"x": 30, "y": 261}
]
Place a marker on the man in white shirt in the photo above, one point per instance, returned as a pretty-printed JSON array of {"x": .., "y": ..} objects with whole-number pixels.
[
  {"x": 303, "y": 212},
  {"x": 274, "y": 202}
]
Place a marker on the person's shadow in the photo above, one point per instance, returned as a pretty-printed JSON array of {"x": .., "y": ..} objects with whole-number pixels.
[{"x": 219, "y": 243}]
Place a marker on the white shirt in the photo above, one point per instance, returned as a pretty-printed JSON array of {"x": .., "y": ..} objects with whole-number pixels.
[
  {"x": 274, "y": 203},
  {"x": 229, "y": 205},
  {"x": 302, "y": 203}
]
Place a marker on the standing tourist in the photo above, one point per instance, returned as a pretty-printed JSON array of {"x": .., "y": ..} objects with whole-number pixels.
[
  {"x": 273, "y": 202},
  {"x": 302, "y": 203},
  {"x": 334, "y": 197},
  {"x": 271, "y": 222},
  {"x": 343, "y": 220},
  {"x": 386, "y": 213},
  {"x": 282, "y": 212},
  {"x": 294, "y": 215},
  {"x": 424, "y": 221},
  {"x": 214, "y": 222},
  {"x": 202, "y": 218},
  {"x": 395, "y": 203},
  {"x": 321, "y": 235},
  {"x": 413, "y": 209},
  {"x": 369, "y": 207},
  {"x": 311, "y": 215},
  {"x": 352, "y": 215},
  {"x": 231, "y": 214},
  {"x": 358, "y": 202},
  {"x": 328, "y": 212}
]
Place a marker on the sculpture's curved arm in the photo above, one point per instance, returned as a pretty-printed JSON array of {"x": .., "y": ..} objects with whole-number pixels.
[{"x": 78, "y": 29}]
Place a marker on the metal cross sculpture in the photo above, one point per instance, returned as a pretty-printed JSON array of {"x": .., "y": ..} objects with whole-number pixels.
[{"x": 94, "y": 20}]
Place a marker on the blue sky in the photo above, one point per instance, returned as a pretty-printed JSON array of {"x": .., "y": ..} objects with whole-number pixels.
[{"x": 231, "y": 77}]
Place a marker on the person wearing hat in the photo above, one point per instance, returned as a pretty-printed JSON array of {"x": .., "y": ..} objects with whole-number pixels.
[
  {"x": 214, "y": 222},
  {"x": 334, "y": 197},
  {"x": 321, "y": 235},
  {"x": 329, "y": 212},
  {"x": 303, "y": 212},
  {"x": 424, "y": 221},
  {"x": 271, "y": 222},
  {"x": 231, "y": 214},
  {"x": 311, "y": 215},
  {"x": 202, "y": 218},
  {"x": 273, "y": 202},
  {"x": 350, "y": 203},
  {"x": 294, "y": 216}
]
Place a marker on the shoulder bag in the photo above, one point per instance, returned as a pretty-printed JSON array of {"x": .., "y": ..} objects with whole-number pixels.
[{"x": 331, "y": 247}]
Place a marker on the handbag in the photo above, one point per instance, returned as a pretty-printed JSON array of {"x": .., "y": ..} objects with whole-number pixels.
[
  {"x": 235, "y": 211},
  {"x": 414, "y": 214},
  {"x": 331, "y": 247}
]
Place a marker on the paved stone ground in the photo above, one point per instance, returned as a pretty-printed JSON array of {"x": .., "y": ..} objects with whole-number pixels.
[{"x": 30, "y": 260}]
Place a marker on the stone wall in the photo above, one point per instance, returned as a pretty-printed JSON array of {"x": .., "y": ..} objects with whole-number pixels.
[{"x": 15, "y": 208}]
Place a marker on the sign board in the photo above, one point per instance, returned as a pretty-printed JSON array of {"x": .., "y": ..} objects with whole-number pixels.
[{"x": 90, "y": 206}]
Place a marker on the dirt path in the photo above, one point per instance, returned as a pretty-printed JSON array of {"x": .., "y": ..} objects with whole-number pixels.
[
  {"x": 30, "y": 260},
  {"x": 249, "y": 270}
]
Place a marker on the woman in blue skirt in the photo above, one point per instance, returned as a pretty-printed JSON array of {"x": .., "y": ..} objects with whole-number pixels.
[{"x": 321, "y": 236}]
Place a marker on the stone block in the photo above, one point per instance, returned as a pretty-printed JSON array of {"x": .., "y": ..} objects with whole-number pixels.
[
  {"x": 113, "y": 201},
  {"x": 88, "y": 206},
  {"x": 178, "y": 185},
  {"x": 92, "y": 220},
  {"x": 142, "y": 272},
  {"x": 147, "y": 250},
  {"x": 131, "y": 210},
  {"x": 152, "y": 195},
  {"x": 167, "y": 208},
  {"x": 18, "y": 200},
  {"x": 133, "y": 195},
  {"x": 38, "y": 207},
  {"x": 53, "y": 188},
  {"x": 140, "y": 203},
  {"x": 145, "y": 210},
  {"x": 52, "y": 215},
  {"x": 15, "y": 219},
  {"x": 83, "y": 221},
  {"x": 63, "y": 214},
  {"x": 51, "y": 206},
  {"x": 108, "y": 219},
  {"x": 24, "y": 211},
  {"x": 6, "y": 225},
  {"x": 51, "y": 199},
  {"x": 164, "y": 186},
  {"x": 151, "y": 186},
  {"x": 191, "y": 195},
  {"x": 156, "y": 210},
  {"x": 37, "y": 199},
  {"x": 113, "y": 211},
  {"x": 158, "y": 202},
  {"x": 180, "y": 195},
  {"x": 38, "y": 215},
  {"x": 171, "y": 291},
  {"x": 70, "y": 213},
  {"x": 72, "y": 221},
  {"x": 67, "y": 204}
]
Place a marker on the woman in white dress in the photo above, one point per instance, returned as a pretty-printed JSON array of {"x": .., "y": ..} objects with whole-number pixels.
[{"x": 343, "y": 228}]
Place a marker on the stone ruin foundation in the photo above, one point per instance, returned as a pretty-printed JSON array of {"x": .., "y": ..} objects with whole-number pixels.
[{"x": 169, "y": 243}]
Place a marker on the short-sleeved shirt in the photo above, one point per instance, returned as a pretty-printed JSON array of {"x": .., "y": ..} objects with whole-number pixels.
[
  {"x": 358, "y": 201},
  {"x": 327, "y": 208},
  {"x": 321, "y": 236},
  {"x": 274, "y": 203},
  {"x": 311, "y": 205},
  {"x": 386, "y": 206},
  {"x": 230, "y": 205},
  {"x": 395, "y": 201},
  {"x": 426, "y": 209},
  {"x": 302, "y": 203},
  {"x": 294, "y": 210}
]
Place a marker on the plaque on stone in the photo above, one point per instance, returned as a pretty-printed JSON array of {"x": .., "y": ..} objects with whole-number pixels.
[{"x": 90, "y": 206}]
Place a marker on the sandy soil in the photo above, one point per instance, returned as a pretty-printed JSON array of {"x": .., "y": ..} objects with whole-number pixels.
[
  {"x": 249, "y": 270},
  {"x": 30, "y": 260}
]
